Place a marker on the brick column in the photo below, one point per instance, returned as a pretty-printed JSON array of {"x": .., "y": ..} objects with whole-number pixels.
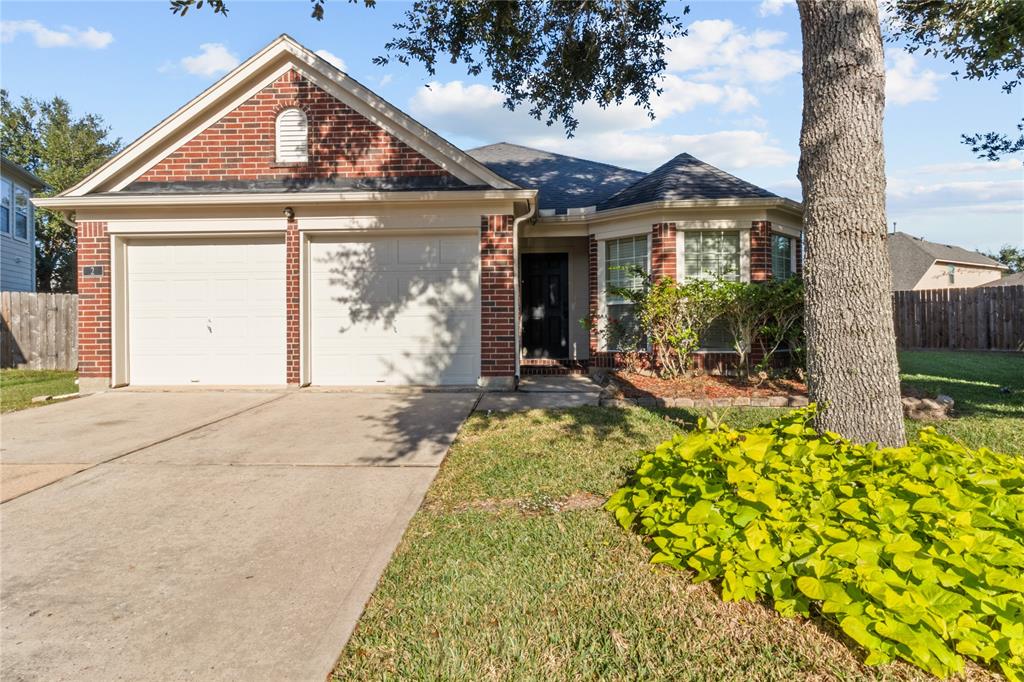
[
  {"x": 94, "y": 322},
  {"x": 497, "y": 303},
  {"x": 291, "y": 295},
  {"x": 760, "y": 251},
  {"x": 663, "y": 250},
  {"x": 592, "y": 291}
]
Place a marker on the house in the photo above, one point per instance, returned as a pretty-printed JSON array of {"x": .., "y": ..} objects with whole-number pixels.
[
  {"x": 919, "y": 264},
  {"x": 289, "y": 226},
  {"x": 1015, "y": 279},
  {"x": 17, "y": 227}
]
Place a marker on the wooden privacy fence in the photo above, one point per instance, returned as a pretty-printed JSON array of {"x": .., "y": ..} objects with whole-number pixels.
[
  {"x": 39, "y": 330},
  {"x": 983, "y": 318}
]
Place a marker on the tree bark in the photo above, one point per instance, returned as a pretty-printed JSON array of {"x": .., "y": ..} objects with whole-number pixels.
[{"x": 852, "y": 367}]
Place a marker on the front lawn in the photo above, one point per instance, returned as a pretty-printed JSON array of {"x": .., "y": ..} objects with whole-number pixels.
[
  {"x": 19, "y": 386},
  {"x": 511, "y": 570}
]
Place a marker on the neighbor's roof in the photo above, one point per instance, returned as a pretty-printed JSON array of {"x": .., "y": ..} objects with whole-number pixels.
[
  {"x": 1016, "y": 279},
  {"x": 564, "y": 181},
  {"x": 912, "y": 256},
  {"x": 26, "y": 178},
  {"x": 685, "y": 177}
]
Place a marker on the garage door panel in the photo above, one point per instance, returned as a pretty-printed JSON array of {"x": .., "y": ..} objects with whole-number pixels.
[
  {"x": 208, "y": 312},
  {"x": 390, "y": 311}
]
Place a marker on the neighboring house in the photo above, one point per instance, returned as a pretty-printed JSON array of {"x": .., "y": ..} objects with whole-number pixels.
[
  {"x": 288, "y": 226},
  {"x": 1012, "y": 280},
  {"x": 920, "y": 264},
  {"x": 17, "y": 227}
]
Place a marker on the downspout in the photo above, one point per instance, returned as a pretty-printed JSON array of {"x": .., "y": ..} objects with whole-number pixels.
[{"x": 531, "y": 210}]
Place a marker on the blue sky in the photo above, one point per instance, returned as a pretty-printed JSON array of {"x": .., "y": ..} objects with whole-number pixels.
[{"x": 732, "y": 96}]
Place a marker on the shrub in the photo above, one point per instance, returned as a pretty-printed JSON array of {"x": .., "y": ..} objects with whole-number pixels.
[{"x": 913, "y": 552}]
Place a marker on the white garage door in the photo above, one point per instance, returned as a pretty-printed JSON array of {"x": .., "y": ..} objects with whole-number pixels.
[
  {"x": 395, "y": 310},
  {"x": 204, "y": 312}
]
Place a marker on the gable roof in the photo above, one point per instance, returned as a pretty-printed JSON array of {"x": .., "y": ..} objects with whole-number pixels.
[
  {"x": 912, "y": 256},
  {"x": 564, "y": 182},
  {"x": 685, "y": 177},
  {"x": 12, "y": 170},
  {"x": 281, "y": 55}
]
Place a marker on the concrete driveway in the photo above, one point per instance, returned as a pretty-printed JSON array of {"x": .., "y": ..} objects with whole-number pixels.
[{"x": 205, "y": 535}]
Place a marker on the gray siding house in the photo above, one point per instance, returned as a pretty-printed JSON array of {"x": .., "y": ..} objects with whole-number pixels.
[{"x": 17, "y": 228}]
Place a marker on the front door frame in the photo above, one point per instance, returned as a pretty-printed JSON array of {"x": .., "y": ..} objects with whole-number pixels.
[{"x": 562, "y": 260}]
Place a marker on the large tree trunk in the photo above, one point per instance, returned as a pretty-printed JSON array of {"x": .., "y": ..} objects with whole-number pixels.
[{"x": 852, "y": 368}]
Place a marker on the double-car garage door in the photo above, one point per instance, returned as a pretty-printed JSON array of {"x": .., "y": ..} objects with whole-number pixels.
[{"x": 381, "y": 311}]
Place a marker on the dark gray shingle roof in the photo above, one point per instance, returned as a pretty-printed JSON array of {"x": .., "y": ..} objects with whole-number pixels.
[
  {"x": 564, "y": 181},
  {"x": 912, "y": 256},
  {"x": 1016, "y": 279},
  {"x": 685, "y": 177}
]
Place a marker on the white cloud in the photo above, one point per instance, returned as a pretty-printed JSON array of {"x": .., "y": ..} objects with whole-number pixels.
[
  {"x": 67, "y": 36},
  {"x": 960, "y": 167},
  {"x": 906, "y": 194},
  {"x": 331, "y": 58},
  {"x": 718, "y": 50},
  {"x": 213, "y": 59},
  {"x": 384, "y": 80},
  {"x": 906, "y": 82},
  {"x": 769, "y": 7}
]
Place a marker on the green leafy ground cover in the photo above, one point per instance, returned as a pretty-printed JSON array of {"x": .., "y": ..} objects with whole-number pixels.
[{"x": 914, "y": 553}]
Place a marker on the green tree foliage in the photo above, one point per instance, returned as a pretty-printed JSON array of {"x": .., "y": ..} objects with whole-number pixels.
[
  {"x": 551, "y": 56},
  {"x": 985, "y": 36},
  {"x": 45, "y": 138},
  {"x": 914, "y": 552},
  {"x": 1010, "y": 256}
]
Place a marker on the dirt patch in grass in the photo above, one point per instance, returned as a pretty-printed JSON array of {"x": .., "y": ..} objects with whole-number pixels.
[{"x": 706, "y": 386}]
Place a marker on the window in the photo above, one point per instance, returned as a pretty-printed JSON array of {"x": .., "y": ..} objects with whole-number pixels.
[
  {"x": 5, "y": 207},
  {"x": 20, "y": 213},
  {"x": 710, "y": 254},
  {"x": 951, "y": 272},
  {"x": 782, "y": 257},
  {"x": 292, "y": 136},
  {"x": 622, "y": 257}
]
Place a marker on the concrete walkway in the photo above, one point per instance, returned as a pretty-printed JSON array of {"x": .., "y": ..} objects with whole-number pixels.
[
  {"x": 214, "y": 535},
  {"x": 544, "y": 393}
]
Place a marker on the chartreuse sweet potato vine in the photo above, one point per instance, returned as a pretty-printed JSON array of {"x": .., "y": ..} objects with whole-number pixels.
[{"x": 915, "y": 552}]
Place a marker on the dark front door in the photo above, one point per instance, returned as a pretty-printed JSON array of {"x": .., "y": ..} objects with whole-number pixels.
[{"x": 545, "y": 291}]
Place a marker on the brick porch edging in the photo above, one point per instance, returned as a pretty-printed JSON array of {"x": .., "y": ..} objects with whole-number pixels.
[{"x": 651, "y": 401}]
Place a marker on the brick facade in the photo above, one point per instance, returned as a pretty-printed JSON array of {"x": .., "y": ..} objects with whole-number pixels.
[
  {"x": 497, "y": 303},
  {"x": 94, "y": 321},
  {"x": 663, "y": 250},
  {"x": 760, "y": 251},
  {"x": 293, "y": 335},
  {"x": 241, "y": 145}
]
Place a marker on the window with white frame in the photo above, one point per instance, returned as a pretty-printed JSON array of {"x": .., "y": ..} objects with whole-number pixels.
[
  {"x": 292, "y": 136},
  {"x": 711, "y": 254},
  {"x": 625, "y": 268},
  {"x": 5, "y": 207},
  {"x": 20, "y": 213},
  {"x": 782, "y": 257}
]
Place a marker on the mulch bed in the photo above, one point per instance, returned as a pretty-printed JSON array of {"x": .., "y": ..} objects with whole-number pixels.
[{"x": 707, "y": 386}]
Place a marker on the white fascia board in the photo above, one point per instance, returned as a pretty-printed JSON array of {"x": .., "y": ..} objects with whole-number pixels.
[
  {"x": 787, "y": 205},
  {"x": 116, "y": 200}
]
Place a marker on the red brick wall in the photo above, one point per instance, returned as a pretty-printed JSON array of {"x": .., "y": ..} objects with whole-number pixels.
[
  {"x": 497, "y": 279},
  {"x": 241, "y": 145},
  {"x": 663, "y": 250},
  {"x": 291, "y": 293},
  {"x": 760, "y": 251},
  {"x": 94, "y": 325}
]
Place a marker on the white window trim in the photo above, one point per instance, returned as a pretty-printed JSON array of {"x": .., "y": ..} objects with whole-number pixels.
[
  {"x": 28, "y": 215},
  {"x": 744, "y": 234},
  {"x": 9, "y": 191},
  {"x": 277, "y": 137},
  {"x": 602, "y": 280}
]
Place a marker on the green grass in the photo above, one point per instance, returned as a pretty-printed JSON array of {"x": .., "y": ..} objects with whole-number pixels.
[
  {"x": 19, "y": 386},
  {"x": 984, "y": 416},
  {"x": 493, "y": 582}
]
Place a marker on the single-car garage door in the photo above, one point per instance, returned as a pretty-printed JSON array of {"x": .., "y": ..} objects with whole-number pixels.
[
  {"x": 395, "y": 310},
  {"x": 206, "y": 312}
]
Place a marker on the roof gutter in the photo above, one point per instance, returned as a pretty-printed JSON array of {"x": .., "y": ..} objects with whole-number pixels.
[
  {"x": 124, "y": 200},
  {"x": 780, "y": 203}
]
